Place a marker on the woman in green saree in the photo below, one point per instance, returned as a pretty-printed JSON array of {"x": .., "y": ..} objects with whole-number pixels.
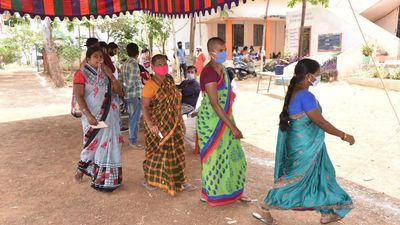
[
  {"x": 222, "y": 158},
  {"x": 304, "y": 177}
]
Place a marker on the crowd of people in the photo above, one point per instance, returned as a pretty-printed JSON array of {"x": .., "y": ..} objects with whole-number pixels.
[{"x": 199, "y": 111}]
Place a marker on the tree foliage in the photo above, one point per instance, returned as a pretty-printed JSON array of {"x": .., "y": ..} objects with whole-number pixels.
[
  {"x": 122, "y": 30},
  {"x": 69, "y": 52},
  {"x": 157, "y": 30},
  {"x": 324, "y": 3},
  {"x": 142, "y": 29},
  {"x": 21, "y": 40},
  {"x": 7, "y": 51}
]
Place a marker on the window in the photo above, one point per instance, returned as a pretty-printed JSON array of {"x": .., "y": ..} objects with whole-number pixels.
[
  {"x": 221, "y": 31},
  {"x": 257, "y": 34},
  {"x": 238, "y": 34}
]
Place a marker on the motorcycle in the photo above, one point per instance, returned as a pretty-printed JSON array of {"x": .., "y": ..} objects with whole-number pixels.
[{"x": 244, "y": 67}]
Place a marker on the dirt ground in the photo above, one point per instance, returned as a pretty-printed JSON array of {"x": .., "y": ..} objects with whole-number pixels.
[{"x": 41, "y": 144}]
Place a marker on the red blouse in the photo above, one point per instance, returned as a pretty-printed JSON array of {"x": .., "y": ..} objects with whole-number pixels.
[
  {"x": 79, "y": 78},
  {"x": 208, "y": 75}
]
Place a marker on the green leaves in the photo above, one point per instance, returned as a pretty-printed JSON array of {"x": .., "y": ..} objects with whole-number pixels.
[
  {"x": 21, "y": 40},
  {"x": 324, "y": 3}
]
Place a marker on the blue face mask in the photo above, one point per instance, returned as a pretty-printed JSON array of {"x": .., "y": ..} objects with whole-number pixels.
[
  {"x": 317, "y": 81},
  {"x": 221, "y": 57}
]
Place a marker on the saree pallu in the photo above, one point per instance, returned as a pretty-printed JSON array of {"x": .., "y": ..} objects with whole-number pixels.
[
  {"x": 304, "y": 177},
  {"x": 101, "y": 154},
  {"x": 223, "y": 161},
  {"x": 164, "y": 164}
]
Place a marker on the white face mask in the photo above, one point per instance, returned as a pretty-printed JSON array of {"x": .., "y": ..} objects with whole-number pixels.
[
  {"x": 190, "y": 76},
  {"x": 317, "y": 81}
]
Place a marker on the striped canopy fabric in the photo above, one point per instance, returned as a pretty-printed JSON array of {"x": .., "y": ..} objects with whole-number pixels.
[{"x": 85, "y": 8}]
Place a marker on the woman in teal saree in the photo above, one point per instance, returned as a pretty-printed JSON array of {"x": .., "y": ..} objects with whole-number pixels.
[{"x": 304, "y": 177}]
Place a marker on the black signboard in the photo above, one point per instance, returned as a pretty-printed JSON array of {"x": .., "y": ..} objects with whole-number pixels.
[{"x": 329, "y": 42}]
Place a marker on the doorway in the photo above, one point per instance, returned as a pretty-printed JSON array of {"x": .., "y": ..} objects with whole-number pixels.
[{"x": 306, "y": 41}]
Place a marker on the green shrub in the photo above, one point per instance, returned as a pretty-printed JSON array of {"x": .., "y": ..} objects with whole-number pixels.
[
  {"x": 395, "y": 75},
  {"x": 69, "y": 53},
  {"x": 8, "y": 55},
  {"x": 329, "y": 71}
]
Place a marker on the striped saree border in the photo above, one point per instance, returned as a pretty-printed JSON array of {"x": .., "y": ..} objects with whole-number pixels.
[{"x": 84, "y": 8}]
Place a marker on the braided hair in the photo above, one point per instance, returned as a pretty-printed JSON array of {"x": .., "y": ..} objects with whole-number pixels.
[{"x": 303, "y": 67}]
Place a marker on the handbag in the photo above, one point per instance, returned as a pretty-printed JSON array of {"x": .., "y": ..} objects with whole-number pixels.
[{"x": 75, "y": 109}]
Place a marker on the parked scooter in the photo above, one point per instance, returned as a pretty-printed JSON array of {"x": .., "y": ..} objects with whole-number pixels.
[{"x": 244, "y": 67}]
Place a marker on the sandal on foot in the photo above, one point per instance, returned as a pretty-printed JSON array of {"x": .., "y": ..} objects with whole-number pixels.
[
  {"x": 78, "y": 175},
  {"x": 329, "y": 218},
  {"x": 262, "y": 219},
  {"x": 189, "y": 187},
  {"x": 203, "y": 200},
  {"x": 148, "y": 186}
]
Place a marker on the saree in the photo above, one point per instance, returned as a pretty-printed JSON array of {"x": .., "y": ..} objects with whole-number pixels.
[
  {"x": 304, "y": 177},
  {"x": 223, "y": 161},
  {"x": 164, "y": 164},
  {"x": 101, "y": 154}
]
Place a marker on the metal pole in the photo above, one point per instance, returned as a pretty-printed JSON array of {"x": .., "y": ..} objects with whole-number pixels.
[{"x": 200, "y": 29}]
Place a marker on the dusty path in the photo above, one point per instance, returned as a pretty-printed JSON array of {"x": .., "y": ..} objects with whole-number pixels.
[{"x": 38, "y": 158}]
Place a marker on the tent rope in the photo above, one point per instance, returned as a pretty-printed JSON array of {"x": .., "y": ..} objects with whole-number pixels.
[{"x": 375, "y": 66}]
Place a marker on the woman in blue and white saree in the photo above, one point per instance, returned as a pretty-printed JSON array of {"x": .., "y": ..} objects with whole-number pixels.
[{"x": 101, "y": 154}]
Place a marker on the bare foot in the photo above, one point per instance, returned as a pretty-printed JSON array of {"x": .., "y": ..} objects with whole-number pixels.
[{"x": 78, "y": 175}]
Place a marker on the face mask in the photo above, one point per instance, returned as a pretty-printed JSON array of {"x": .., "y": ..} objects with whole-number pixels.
[
  {"x": 317, "y": 80},
  {"x": 161, "y": 70},
  {"x": 190, "y": 76},
  {"x": 221, "y": 57}
]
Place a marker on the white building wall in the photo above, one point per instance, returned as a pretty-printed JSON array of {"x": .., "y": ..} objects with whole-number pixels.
[{"x": 359, "y": 6}]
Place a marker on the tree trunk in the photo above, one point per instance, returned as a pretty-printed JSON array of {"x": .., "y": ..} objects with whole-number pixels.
[
  {"x": 55, "y": 71},
  {"x": 192, "y": 33},
  {"x": 79, "y": 41},
  {"x": 28, "y": 58},
  {"x": 263, "y": 50},
  {"x": 163, "y": 46},
  {"x": 174, "y": 49},
  {"x": 151, "y": 43},
  {"x": 301, "y": 34}
]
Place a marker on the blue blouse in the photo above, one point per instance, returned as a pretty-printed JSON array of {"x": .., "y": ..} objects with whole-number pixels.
[{"x": 303, "y": 102}]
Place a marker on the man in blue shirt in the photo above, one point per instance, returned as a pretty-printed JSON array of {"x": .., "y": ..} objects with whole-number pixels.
[
  {"x": 182, "y": 59},
  {"x": 190, "y": 89}
]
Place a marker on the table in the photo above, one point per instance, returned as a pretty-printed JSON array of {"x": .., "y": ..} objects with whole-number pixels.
[{"x": 272, "y": 75}]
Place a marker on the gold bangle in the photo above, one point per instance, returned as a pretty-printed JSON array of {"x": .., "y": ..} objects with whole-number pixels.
[{"x": 344, "y": 136}]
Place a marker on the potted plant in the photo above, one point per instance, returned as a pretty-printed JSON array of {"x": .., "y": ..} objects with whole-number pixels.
[
  {"x": 367, "y": 51},
  {"x": 381, "y": 54}
]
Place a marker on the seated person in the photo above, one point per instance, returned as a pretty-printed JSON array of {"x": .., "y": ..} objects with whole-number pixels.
[
  {"x": 190, "y": 124},
  {"x": 190, "y": 90},
  {"x": 190, "y": 119}
]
